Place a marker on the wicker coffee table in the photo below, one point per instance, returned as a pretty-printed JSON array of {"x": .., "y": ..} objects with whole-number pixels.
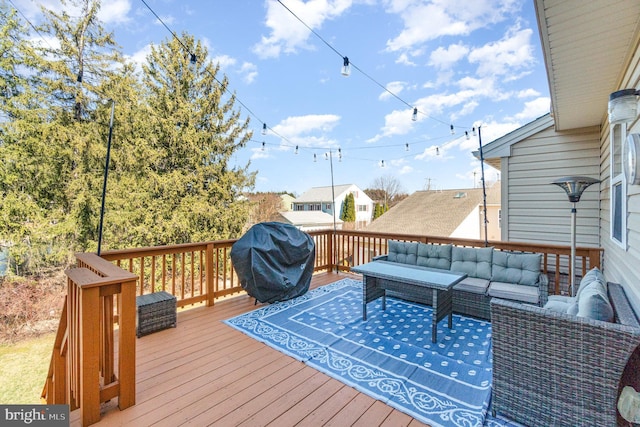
[{"x": 380, "y": 276}]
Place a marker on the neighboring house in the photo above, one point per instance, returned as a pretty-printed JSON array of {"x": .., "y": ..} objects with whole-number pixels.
[
  {"x": 329, "y": 201},
  {"x": 591, "y": 50},
  {"x": 444, "y": 213},
  {"x": 310, "y": 220},
  {"x": 287, "y": 202}
]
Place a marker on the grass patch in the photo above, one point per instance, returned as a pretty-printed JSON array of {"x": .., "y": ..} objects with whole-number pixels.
[{"x": 23, "y": 369}]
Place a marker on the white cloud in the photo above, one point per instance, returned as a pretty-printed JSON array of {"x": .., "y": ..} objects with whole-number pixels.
[
  {"x": 249, "y": 72},
  {"x": 115, "y": 11},
  {"x": 527, "y": 93},
  {"x": 534, "y": 109},
  {"x": 425, "y": 21},
  {"x": 287, "y": 34},
  {"x": 139, "y": 57},
  {"x": 404, "y": 59},
  {"x": 307, "y": 131},
  {"x": 445, "y": 57},
  {"x": 393, "y": 87},
  {"x": 225, "y": 61},
  {"x": 503, "y": 57},
  {"x": 405, "y": 170}
]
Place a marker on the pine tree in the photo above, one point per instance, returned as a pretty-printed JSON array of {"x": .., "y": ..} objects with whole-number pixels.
[
  {"x": 348, "y": 209},
  {"x": 194, "y": 131}
]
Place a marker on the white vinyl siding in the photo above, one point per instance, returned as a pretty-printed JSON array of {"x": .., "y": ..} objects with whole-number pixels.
[
  {"x": 621, "y": 263},
  {"x": 539, "y": 211}
]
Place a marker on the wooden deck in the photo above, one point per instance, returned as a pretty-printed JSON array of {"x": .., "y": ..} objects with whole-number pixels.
[{"x": 206, "y": 373}]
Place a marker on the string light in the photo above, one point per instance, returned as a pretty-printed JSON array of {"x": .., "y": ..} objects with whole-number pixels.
[
  {"x": 263, "y": 144},
  {"x": 346, "y": 68},
  {"x": 406, "y": 147},
  {"x": 414, "y": 116},
  {"x": 326, "y": 156},
  {"x": 193, "y": 59},
  {"x": 437, "y": 151},
  {"x": 339, "y": 154},
  {"x": 466, "y": 134},
  {"x": 382, "y": 163},
  {"x": 473, "y": 130},
  {"x": 453, "y": 132},
  {"x": 264, "y": 128},
  {"x": 296, "y": 152},
  {"x": 315, "y": 159}
]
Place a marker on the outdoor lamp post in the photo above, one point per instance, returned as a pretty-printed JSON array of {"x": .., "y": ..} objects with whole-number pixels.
[{"x": 574, "y": 186}]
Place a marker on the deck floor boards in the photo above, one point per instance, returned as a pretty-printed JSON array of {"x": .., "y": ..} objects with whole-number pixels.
[{"x": 205, "y": 373}]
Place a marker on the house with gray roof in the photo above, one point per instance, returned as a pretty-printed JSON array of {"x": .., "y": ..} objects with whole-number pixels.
[
  {"x": 330, "y": 200},
  {"x": 444, "y": 213}
]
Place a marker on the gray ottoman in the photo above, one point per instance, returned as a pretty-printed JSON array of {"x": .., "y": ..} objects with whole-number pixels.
[{"x": 156, "y": 311}]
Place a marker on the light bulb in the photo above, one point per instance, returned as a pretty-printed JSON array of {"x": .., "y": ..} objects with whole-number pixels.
[
  {"x": 414, "y": 117},
  {"x": 466, "y": 134},
  {"x": 453, "y": 132},
  {"x": 296, "y": 149},
  {"x": 264, "y": 128},
  {"x": 406, "y": 147},
  {"x": 346, "y": 68}
]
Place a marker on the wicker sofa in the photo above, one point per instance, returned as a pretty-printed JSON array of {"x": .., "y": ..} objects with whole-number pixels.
[
  {"x": 559, "y": 369},
  {"x": 490, "y": 273}
]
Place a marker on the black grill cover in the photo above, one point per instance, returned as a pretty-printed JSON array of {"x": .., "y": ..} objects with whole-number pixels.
[{"x": 274, "y": 261}]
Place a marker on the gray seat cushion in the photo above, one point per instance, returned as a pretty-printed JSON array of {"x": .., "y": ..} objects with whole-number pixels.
[
  {"x": 528, "y": 294},
  {"x": 473, "y": 285},
  {"x": 509, "y": 267},
  {"x": 434, "y": 256},
  {"x": 474, "y": 262},
  {"x": 403, "y": 252}
]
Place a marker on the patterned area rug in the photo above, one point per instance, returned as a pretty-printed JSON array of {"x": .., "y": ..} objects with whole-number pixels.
[{"x": 390, "y": 356}]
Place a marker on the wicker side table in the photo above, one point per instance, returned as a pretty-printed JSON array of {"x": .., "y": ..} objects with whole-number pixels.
[{"x": 156, "y": 311}]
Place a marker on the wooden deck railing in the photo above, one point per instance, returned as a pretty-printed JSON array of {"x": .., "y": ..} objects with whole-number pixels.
[
  {"x": 81, "y": 372},
  {"x": 87, "y": 366}
]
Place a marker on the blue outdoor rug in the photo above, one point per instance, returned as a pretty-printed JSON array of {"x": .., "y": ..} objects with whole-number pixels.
[{"x": 390, "y": 356}]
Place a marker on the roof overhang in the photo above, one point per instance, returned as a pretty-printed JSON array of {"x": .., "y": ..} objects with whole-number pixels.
[{"x": 587, "y": 45}]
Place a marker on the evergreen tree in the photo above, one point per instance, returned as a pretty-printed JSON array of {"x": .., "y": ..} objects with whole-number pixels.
[
  {"x": 194, "y": 131},
  {"x": 348, "y": 213}
]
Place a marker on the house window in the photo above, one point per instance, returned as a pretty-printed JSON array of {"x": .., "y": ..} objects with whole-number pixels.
[
  {"x": 363, "y": 208},
  {"x": 618, "y": 186},
  {"x": 328, "y": 206}
]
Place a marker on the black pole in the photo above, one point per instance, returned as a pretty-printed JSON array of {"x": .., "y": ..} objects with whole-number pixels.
[
  {"x": 106, "y": 174},
  {"x": 484, "y": 189},
  {"x": 333, "y": 203}
]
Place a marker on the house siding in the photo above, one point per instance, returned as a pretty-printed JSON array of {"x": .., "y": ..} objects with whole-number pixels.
[
  {"x": 537, "y": 211},
  {"x": 621, "y": 264}
]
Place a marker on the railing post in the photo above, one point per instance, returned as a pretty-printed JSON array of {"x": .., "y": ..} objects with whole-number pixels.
[
  {"x": 89, "y": 355},
  {"x": 332, "y": 255},
  {"x": 594, "y": 258},
  {"x": 127, "y": 345},
  {"x": 210, "y": 270}
]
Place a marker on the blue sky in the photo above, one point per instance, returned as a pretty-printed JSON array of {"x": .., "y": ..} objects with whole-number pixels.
[{"x": 466, "y": 63}]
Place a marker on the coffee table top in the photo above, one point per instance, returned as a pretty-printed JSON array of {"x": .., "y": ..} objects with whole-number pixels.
[{"x": 412, "y": 274}]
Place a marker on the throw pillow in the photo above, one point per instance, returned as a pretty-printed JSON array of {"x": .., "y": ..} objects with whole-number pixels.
[
  {"x": 509, "y": 267},
  {"x": 403, "y": 252},
  {"x": 593, "y": 302},
  {"x": 593, "y": 274},
  {"x": 434, "y": 256},
  {"x": 474, "y": 262}
]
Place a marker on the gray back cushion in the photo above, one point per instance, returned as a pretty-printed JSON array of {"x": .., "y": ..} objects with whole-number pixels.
[
  {"x": 434, "y": 256},
  {"x": 475, "y": 262},
  {"x": 521, "y": 269},
  {"x": 403, "y": 252}
]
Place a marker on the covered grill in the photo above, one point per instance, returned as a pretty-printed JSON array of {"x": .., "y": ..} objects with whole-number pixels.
[{"x": 274, "y": 261}]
